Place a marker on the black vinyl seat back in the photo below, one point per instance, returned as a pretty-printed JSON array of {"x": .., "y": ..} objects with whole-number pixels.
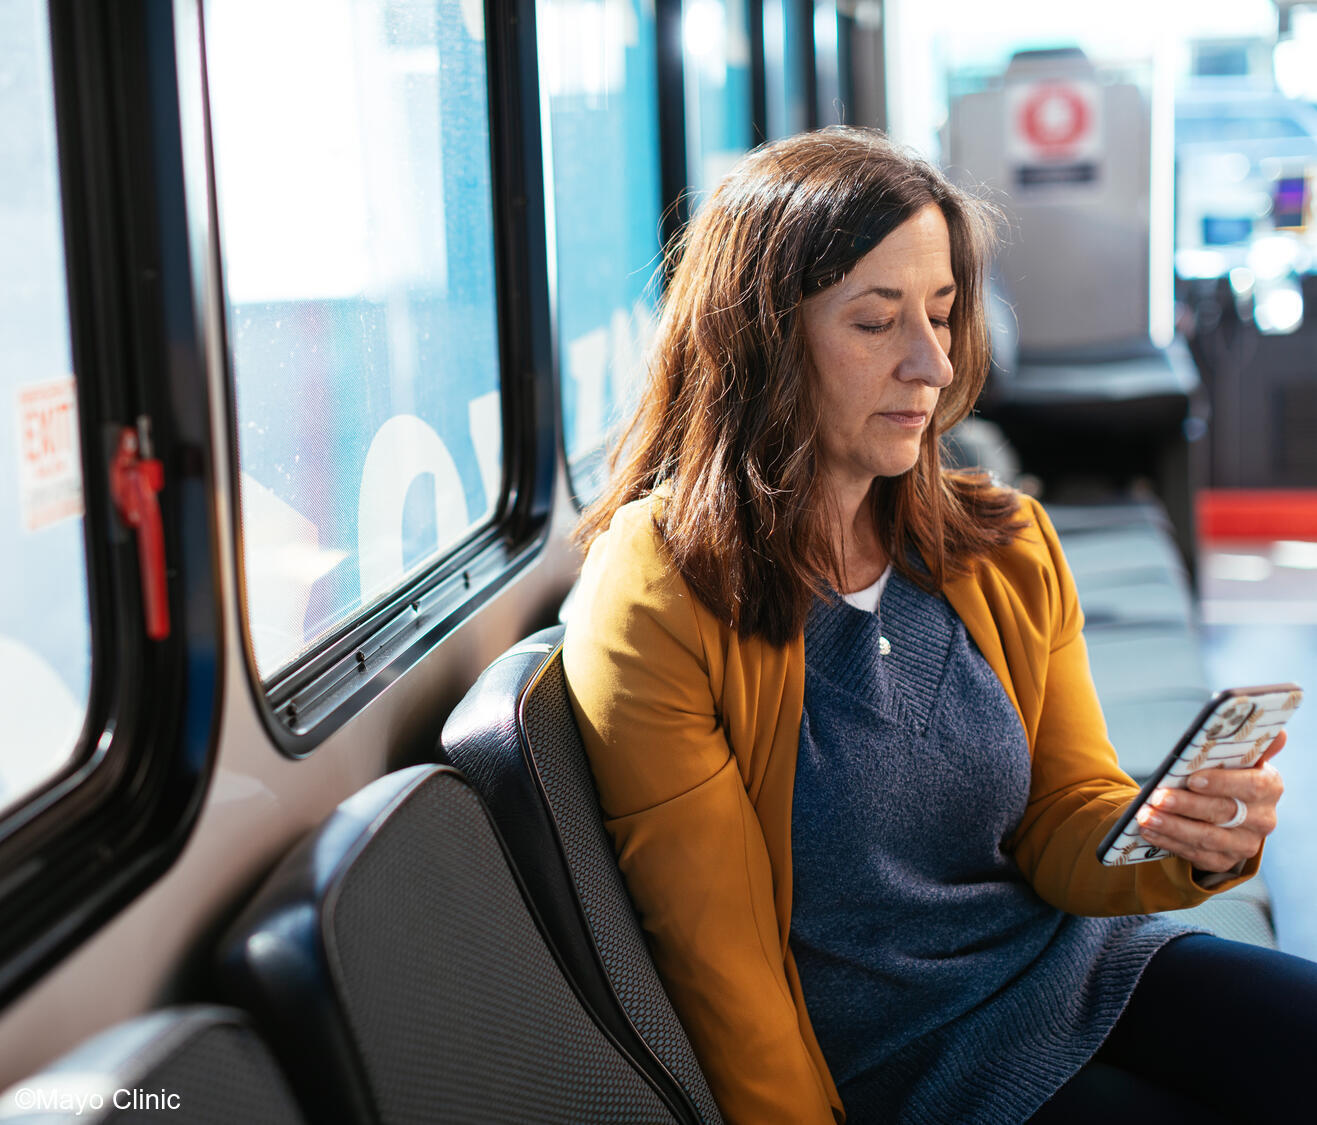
[
  {"x": 193, "y": 1066},
  {"x": 516, "y": 740},
  {"x": 400, "y": 977}
]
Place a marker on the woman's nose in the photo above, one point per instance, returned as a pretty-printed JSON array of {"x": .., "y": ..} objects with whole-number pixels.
[{"x": 925, "y": 360}]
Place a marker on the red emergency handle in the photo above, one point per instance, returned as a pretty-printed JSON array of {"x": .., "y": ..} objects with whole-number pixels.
[{"x": 135, "y": 484}]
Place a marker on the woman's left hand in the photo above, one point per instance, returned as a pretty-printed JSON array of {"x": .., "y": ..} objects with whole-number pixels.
[{"x": 1187, "y": 822}]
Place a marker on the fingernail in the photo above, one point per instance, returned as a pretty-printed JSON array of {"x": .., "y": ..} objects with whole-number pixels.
[
  {"x": 1163, "y": 798},
  {"x": 1147, "y": 816},
  {"x": 1198, "y": 781}
]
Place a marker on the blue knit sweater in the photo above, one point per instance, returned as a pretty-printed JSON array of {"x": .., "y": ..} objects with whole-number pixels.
[{"x": 941, "y": 987}]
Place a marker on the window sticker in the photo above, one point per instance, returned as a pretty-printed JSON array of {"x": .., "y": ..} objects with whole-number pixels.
[{"x": 49, "y": 467}]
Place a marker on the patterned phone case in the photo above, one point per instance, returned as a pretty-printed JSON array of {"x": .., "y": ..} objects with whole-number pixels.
[{"x": 1232, "y": 732}]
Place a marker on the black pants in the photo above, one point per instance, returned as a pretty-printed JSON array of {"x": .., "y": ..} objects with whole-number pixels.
[{"x": 1215, "y": 1031}]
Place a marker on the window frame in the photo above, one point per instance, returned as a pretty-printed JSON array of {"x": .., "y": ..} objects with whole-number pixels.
[
  {"x": 101, "y": 831},
  {"x": 350, "y": 666},
  {"x": 674, "y": 175}
]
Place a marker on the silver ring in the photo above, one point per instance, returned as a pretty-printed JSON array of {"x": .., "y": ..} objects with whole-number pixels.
[{"x": 1241, "y": 814}]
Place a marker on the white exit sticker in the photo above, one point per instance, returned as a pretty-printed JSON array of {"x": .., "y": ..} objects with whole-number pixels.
[{"x": 49, "y": 465}]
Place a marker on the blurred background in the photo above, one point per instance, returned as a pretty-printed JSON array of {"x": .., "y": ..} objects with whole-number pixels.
[{"x": 1156, "y": 302}]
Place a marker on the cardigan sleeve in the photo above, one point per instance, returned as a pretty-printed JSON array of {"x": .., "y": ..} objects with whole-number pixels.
[
  {"x": 1078, "y": 789},
  {"x": 688, "y": 842}
]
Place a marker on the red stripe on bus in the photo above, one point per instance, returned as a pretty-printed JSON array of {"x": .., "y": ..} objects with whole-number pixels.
[{"x": 1257, "y": 514}]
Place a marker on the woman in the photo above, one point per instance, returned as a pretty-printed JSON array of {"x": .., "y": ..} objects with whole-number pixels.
[{"x": 870, "y": 816}]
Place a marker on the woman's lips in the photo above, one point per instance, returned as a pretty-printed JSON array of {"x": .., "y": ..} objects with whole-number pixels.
[{"x": 911, "y": 419}]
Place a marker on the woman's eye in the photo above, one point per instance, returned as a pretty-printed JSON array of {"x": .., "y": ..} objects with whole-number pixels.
[
  {"x": 874, "y": 328},
  {"x": 940, "y": 323}
]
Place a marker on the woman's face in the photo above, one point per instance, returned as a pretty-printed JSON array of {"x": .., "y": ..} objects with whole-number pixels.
[{"x": 879, "y": 340}]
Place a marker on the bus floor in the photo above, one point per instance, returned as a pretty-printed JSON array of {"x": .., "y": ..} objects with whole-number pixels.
[{"x": 1258, "y": 602}]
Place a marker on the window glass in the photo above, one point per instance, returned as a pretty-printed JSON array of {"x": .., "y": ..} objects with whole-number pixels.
[
  {"x": 45, "y": 627},
  {"x": 599, "y": 77},
  {"x": 785, "y": 96},
  {"x": 829, "y": 106},
  {"x": 352, "y": 165},
  {"x": 716, "y": 38}
]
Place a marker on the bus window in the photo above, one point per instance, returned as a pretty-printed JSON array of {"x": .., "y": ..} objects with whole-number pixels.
[
  {"x": 45, "y": 625},
  {"x": 353, "y": 177},
  {"x": 787, "y": 54},
  {"x": 716, "y": 42},
  {"x": 829, "y": 105},
  {"x": 599, "y": 84}
]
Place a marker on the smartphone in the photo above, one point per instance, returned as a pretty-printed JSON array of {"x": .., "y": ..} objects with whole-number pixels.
[{"x": 1232, "y": 731}]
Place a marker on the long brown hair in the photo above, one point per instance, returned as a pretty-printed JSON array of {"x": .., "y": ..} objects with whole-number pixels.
[{"x": 729, "y": 416}]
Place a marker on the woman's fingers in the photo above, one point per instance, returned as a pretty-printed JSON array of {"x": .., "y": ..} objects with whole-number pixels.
[
  {"x": 1260, "y": 796},
  {"x": 1196, "y": 806},
  {"x": 1206, "y": 846},
  {"x": 1259, "y": 788},
  {"x": 1188, "y": 822},
  {"x": 1277, "y": 745},
  {"x": 1260, "y": 782}
]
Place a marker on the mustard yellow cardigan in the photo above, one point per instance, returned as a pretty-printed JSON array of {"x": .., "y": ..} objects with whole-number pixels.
[{"x": 692, "y": 734}]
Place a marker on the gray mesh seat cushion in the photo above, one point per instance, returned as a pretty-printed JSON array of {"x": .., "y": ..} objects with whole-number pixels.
[
  {"x": 195, "y": 1066},
  {"x": 1097, "y": 519},
  {"x": 394, "y": 956},
  {"x": 1242, "y": 913},
  {"x": 1142, "y": 599},
  {"x": 515, "y": 738},
  {"x": 439, "y": 1020},
  {"x": 1116, "y": 553},
  {"x": 1144, "y": 662}
]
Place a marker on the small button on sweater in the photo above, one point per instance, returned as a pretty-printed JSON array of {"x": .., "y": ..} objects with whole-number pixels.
[{"x": 940, "y": 986}]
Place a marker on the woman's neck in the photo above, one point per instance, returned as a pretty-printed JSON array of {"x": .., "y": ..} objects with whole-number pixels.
[{"x": 859, "y": 550}]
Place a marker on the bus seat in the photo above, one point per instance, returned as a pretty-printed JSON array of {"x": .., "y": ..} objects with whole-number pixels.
[
  {"x": 1152, "y": 598},
  {"x": 974, "y": 443},
  {"x": 397, "y": 972},
  {"x": 516, "y": 741},
  {"x": 1121, "y": 551},
  {"x": 1242, "y": 913},
  {"x": 1110, "y": 514},
  {"x": 1139, "y": 660},
  {"x": 1106, "y": 557},
  {"x": 194, "y": 1066},
  {"x": 1145, "y": 728},
  {"x": 515, "y": 738}
]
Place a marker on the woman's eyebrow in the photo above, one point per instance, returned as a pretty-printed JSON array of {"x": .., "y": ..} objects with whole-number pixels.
[{"x": 897, "y": 294}]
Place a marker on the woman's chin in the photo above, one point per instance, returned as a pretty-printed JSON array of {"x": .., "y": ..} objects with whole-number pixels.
[{"x": 897, "y": 464}]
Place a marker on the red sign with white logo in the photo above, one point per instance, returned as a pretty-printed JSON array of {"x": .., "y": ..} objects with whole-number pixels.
[
  {"x": 1055, "y": 118},
  {"x": 1054, "y": 132},
  {"x": 50, "y": 467}
]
